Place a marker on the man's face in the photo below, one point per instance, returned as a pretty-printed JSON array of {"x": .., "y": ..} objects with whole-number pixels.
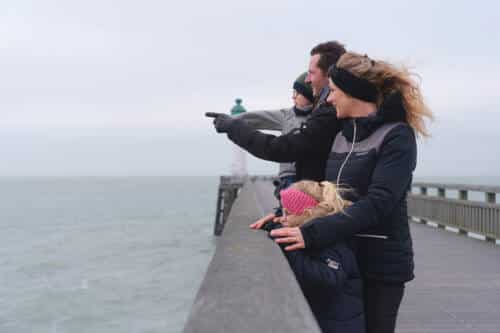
[{"x": 315, "y": 75}]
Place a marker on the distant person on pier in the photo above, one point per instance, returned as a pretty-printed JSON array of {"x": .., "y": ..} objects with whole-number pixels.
[{"x": 329, "y": 277}]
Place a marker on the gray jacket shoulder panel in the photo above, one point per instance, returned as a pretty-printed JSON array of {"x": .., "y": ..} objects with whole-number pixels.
[
  {"x": 266, "y": 119},
  {"x": 374, "y": 141}
]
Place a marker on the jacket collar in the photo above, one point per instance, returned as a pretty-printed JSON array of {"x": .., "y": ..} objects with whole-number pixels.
[
  {"x": 321, "y": 98},
  {"x": 392, "y": 110},
  {"x": 302, "y": 112}
]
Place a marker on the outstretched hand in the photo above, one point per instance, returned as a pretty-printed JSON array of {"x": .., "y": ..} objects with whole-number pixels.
[
  {"x": 260, "y": 222},
  {"x": 222, "y": 121},
  {"x": 291, "y": 236}
]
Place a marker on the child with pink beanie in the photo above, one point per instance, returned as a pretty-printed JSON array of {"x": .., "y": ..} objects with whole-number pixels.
[{"x": 329, "y": 278}]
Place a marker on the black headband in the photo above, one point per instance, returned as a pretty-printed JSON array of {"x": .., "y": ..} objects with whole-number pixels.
[{"x": 352, "y": 85}]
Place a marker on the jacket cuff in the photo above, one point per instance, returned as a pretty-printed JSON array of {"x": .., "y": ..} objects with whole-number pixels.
[{"x": 307, "y": 234}]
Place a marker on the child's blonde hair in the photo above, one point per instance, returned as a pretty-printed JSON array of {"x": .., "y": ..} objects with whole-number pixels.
[{"x": 326, "y": 193}]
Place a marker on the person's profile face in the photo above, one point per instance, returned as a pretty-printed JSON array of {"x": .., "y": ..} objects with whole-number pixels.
[
  {"x": 299, "y": 100},
  {"x": 340, "y": 100},
  {"x": 315, "y": 75},
  {"x": 290, "y": 220}
]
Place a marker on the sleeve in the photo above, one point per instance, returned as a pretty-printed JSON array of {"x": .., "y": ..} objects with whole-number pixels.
[
  {"x": 264, "y": 120},
  {"x": 325, "y": 270},
  {"x": 314, "y": 138},
  {"x": 270, "y": 225},
  {"x": 390, "y": 181}
]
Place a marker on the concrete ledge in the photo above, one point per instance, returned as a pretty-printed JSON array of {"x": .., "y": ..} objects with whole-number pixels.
[{"x": 249, "y": 286}]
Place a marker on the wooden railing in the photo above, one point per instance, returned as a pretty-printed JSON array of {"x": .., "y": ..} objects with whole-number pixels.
[
  {"x": 227, "y": 193},
  {"x": 479, "y": 214}
]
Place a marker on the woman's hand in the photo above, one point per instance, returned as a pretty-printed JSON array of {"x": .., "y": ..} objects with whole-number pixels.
[
  {"x": 293, "y": 236},
  {"x": 260, "y": 222}
]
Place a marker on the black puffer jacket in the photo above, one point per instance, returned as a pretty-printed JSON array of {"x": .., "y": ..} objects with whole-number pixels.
[
  {"x": 308, "y": 146},
  {"x": 379, "y": 171},
  {"x": 380, "y": 175},
  {"x": 332, "y": 284}
]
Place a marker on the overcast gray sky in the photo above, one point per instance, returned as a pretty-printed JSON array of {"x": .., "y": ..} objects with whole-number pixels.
[{"x": 120, "y": 87}]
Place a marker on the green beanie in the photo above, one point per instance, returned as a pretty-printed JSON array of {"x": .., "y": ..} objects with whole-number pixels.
[{"x": 303, "y": 88}]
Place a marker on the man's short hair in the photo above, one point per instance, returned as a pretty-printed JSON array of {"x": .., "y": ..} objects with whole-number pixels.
[{"x": 329, "y": 53}]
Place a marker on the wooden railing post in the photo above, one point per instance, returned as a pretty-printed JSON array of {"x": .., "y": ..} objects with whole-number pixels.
[
  {"x": 227, "y": 193},
  {"x": 219, "y": 224},
  {"x": 463, "y": 195},
  {"x": 490, "y": 197},
  {"x": 423, "y": 191},
  {"x": 441, "y": 194}
]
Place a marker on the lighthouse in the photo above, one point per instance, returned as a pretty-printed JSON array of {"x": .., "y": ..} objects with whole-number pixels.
[{"x": 239, "y": 163}]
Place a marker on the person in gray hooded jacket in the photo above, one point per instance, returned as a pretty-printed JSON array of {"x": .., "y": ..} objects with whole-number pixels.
[{"x": 286, "y": 121}]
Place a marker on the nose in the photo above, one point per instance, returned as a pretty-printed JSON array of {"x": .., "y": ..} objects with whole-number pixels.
[
  {"x": 330, "y": 99},
  {"x": 308, "y": 78}
]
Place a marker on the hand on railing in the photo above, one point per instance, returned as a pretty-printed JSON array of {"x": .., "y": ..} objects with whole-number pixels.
[
  {"x": 291, "y": 236},
  {"x": 260, "y": 222}
]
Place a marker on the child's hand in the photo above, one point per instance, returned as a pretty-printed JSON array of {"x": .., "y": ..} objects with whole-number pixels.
[
  {"x": 259, "y": 223},
  {"x": 279, "y": 219}
]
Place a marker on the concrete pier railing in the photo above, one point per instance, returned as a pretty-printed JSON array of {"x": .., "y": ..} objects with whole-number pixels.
[
  {"x": 249, "y": 286},
  {"x": 479, "y": 214}
]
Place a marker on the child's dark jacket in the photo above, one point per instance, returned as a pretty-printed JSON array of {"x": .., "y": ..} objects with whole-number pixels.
[{"x": 331, "y": 282}]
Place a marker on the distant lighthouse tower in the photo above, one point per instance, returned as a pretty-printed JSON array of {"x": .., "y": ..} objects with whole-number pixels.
[{"x": 239, "y": 164}]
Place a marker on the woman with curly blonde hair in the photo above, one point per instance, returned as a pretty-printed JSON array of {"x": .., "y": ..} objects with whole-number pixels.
[
  {"x": 330, "y": 277},
  {"x": 382, "y": 111},
  {"x": 369, "y": 145}
]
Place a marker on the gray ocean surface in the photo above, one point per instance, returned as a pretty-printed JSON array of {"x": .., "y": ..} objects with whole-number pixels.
[
  {"x": 103, "y": 254},
  {"x": 108, "y": 254}
]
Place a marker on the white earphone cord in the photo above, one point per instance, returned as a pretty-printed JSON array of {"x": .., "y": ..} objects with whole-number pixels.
[
  {"x": 338, "y": 180},
  {"x": 348, "y": 155}
]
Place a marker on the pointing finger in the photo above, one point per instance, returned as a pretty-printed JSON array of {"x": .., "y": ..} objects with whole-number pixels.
[{"x": 212, "y": 114}]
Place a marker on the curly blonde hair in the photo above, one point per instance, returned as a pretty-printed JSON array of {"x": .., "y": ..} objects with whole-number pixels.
[
  {"x": 389, "y": 79},
  {"x": 326, "y": 193}
]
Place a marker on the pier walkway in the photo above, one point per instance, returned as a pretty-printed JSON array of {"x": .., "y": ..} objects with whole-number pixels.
[{"x": 457, "y": 284}]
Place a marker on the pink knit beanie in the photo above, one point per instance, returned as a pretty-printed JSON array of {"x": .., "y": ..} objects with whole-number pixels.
[{"x": 296, "y": 201}]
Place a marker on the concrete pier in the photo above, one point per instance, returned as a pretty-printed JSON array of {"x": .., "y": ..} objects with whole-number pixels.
[
  {"x": 456, "y": 287},
  {"x": 250, "y": 288}
]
